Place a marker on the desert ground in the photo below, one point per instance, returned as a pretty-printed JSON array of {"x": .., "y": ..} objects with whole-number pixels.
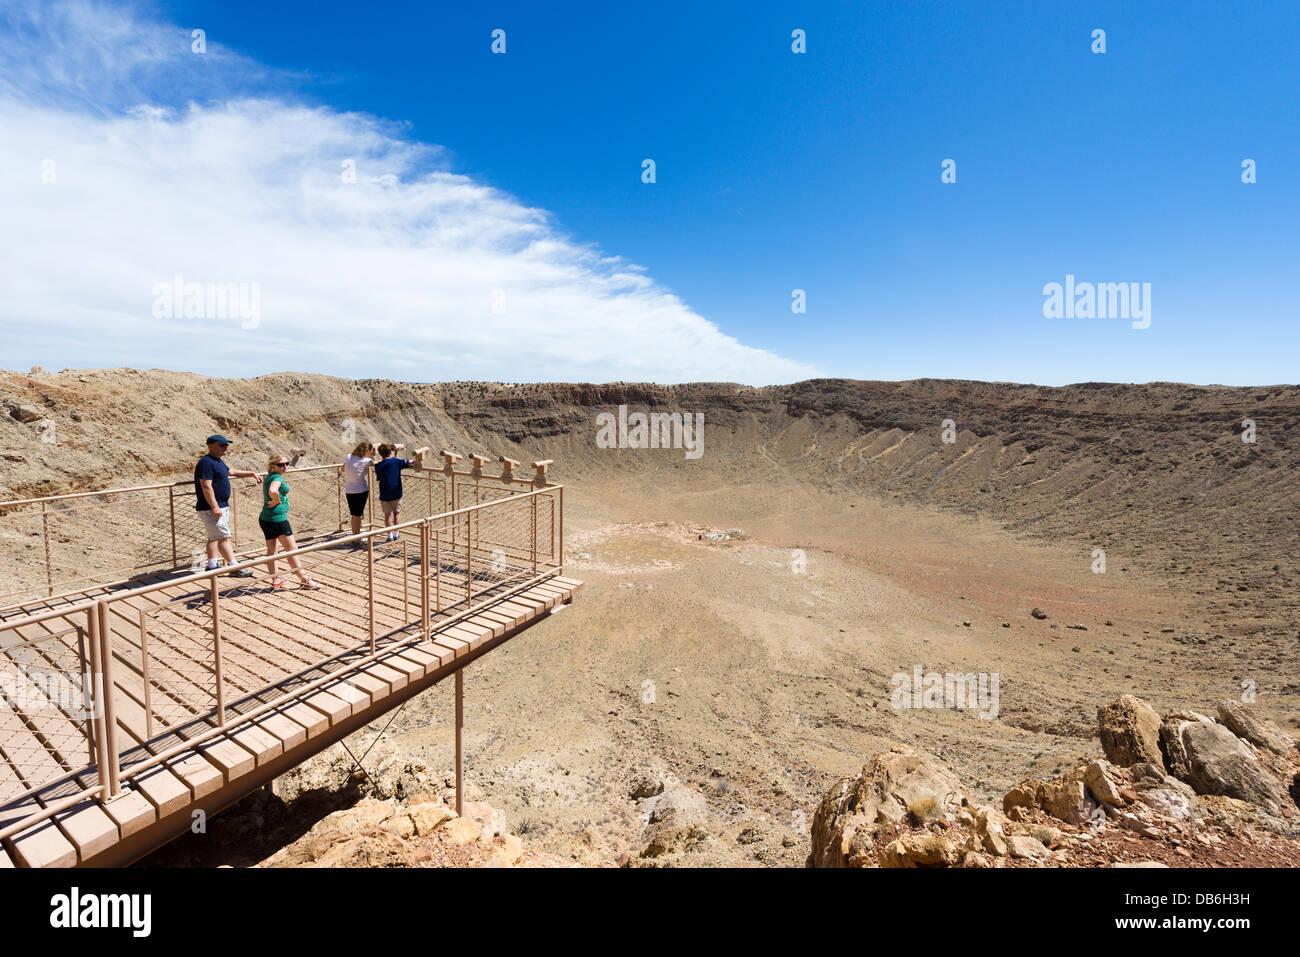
[{"x": 743, "y": 613}]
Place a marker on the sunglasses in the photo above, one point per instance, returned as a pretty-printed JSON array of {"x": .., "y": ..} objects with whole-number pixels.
[{"x": 281, "y": 464}]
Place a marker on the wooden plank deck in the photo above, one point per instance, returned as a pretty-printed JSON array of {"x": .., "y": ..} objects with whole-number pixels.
[{"x": 273, "y": 645}]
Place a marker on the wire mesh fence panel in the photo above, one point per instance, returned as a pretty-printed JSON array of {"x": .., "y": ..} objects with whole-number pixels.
[
  {"x": 60, "y": 544},
  {"x": 47, "y": 700},
  {"x": 425, "y": 493},
  {"x": 187, "y": 526},
  {"x": 471, "y": 491},
  {"x": 315, "y": 507},
  {"x": 171, "y": 666},
  {"x": 546, "y": 541},
  {"x": 22, "y": 555},
  {"x": 64, "y": 543}
]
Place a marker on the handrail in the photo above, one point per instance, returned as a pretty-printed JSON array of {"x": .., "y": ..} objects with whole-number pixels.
[
  {"x": 178, "y": 483},
  {"x": 183, "y": 482}
]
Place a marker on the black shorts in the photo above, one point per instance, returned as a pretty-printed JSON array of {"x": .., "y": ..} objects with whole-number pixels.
[
  {"x": 357, "y": 503},
  {"x": 273, "y": 530}
]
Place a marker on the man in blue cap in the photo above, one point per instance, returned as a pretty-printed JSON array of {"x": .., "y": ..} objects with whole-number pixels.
[{"x": 212, "y": 490}]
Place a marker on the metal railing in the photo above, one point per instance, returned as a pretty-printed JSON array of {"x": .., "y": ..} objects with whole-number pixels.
[
  {"x": 179, "y": 660},
  {"x": 58, "y": 545}
]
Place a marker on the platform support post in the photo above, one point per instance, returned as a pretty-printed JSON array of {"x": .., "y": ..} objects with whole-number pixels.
[{"x": 460, "y": 750}]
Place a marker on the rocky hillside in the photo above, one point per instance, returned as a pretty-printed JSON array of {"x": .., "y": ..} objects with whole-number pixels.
[{"x": 1158, "y": 473}]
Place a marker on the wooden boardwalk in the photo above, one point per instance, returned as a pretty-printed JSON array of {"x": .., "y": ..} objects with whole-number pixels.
[{"x": 198, "y": 721}]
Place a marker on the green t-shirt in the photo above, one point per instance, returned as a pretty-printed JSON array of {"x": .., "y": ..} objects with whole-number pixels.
[{"x": 276, "y": 513}]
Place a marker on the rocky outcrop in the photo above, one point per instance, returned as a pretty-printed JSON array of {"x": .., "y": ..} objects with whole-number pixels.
[
  {"x": 1213, "y": 760},
  {"x": 897, "y": 785},
  {"x": 1130, "y": 732},
  {"x": 920, "y": 850},
  {"x": 1238, "y": 719},
  {"x": 678, "y": 820},
  {"x": 906, "y": 809},
  {"x": 1076, "y": 797},
  {"x": 386, "y": 833}
]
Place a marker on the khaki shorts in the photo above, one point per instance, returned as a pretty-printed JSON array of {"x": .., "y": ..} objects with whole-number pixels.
[
  {"x": 217, "y": 528},
  {"x": 390, "y": 508}
]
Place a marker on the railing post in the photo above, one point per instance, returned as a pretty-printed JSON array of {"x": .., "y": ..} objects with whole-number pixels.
[
  {"x": 338, "y": 488},
  {"x": 109, "y": 719},
  {"x": 449, "y": 460},
  {"x": 424, "y": 578},
  {"x": 561, "y": 528},
  {"x": 213, "y": 596},
  {"x": 45, "y": 534},
  {"x": 144, "y": 675},
  {"x": 234, "y": 517},
  {"x": 437, "y": 575},
  {"x": 533, "y": 529},
  {"x": 469, "y": 562},
  {"x": 94, "y": 680},
  {"x": 406, "y": 588},
  {"x": 370, "y": 587},
  {"x": 171, "y": 520}
]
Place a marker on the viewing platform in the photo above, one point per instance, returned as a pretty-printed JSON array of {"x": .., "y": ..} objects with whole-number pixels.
[{"x": 136, "y": 691}]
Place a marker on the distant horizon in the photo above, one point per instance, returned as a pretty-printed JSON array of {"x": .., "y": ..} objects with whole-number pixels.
[{"x": 647, "y": 382}]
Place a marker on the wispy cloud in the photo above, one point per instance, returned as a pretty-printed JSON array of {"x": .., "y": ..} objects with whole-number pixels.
[{"x": 166, "y": 163}]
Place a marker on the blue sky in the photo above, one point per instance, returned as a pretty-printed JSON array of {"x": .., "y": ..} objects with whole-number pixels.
[{"x": 775, "y": 171}]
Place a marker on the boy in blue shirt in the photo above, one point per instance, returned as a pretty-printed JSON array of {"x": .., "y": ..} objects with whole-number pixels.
[{"x": 388, "y": 474}]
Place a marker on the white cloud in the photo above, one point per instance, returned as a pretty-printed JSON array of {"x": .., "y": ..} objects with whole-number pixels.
[{"x": 167, "y": 165}]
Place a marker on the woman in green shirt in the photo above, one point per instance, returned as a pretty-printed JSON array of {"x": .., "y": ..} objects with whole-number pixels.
[{"x": 274, "y": 520}]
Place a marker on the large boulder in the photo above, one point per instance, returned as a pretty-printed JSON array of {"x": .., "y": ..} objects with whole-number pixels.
[
  {"x": 360, "y": 846},
  {"x": 920, "y": 850},
  {"x": 1213, "y": 760},
  {"x": 900, "y": 784},
  {"x": 26, "y": 413},
  {"x": 1130, "y": 731},
  {"x": 1066, "y": 798},
  {"x": 678, "y": 821},
  {"x": 1238, "y": 719},
  {"x": 1077, "y": 795}
]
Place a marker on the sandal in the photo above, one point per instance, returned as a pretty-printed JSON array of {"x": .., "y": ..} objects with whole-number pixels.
[
  {"x": 310, "y": 585},
  {"x": 278, "y": 583}
]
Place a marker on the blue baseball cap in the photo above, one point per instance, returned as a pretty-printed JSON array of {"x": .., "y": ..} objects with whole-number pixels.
[{"x": 218, "y": 440}]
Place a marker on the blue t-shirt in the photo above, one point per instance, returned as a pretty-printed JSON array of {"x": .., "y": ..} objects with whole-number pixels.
[
  {"x": 389, "y": 475},
  {"x": 214, "y": 469}
]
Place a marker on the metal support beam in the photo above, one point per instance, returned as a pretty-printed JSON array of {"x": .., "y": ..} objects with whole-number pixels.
[{"x": 460, "y": 750}]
